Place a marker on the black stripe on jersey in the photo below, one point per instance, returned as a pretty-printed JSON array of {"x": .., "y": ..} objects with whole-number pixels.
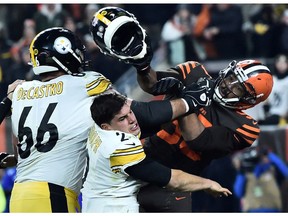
[
  {"x": 254, "y": 131},
  {"x": 183, "y": 71},
  {"x": 248, "y": 139},
  {"x": 58, "y": 198},
  {"x": 191, "y": 71},
  {"x": 187, "y": 67},
  {"x": 250, "y": 135}
]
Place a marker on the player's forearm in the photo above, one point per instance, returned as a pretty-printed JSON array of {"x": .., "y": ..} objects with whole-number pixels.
[
  {"x": 5, "y": 107},
  {"x": 215, "y": 138},
  {"x": 146, "y": 79},
  {"x": 191, "y": 127},
  {"x": 182, "y": 181},
  {"x": 179, "y": 108}
]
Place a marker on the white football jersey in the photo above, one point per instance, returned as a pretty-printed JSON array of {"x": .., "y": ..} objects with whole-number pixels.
[
  {"x": 52, "y": 121},
  {"x": 107, "y": 184}
]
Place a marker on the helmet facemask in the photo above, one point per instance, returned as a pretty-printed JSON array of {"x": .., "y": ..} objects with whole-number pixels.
[{"x": 232, "y": 91}]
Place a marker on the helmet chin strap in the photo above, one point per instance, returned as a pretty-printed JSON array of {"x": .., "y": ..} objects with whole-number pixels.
[
  {"x": 138, "y": 56},
  {"x": 74, "y": 55},
  {"x": 61, "y": 65}
]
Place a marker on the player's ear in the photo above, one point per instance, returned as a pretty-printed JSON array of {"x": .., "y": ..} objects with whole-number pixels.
[{"x": 105, "y": 126}]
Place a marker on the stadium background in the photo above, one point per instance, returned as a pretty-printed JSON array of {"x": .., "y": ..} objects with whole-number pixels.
[{"x": 17, "y": 19}]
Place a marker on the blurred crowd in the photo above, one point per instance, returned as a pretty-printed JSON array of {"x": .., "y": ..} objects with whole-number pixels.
[{"x": 178, "y": 32}]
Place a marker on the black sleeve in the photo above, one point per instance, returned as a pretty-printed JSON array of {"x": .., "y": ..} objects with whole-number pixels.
[
  {"x": 168, "y": 73},
  {"x": 151, "y": 115},
  {"x": 5, "y": 108},
  {"x": 150, "y": 171},
  {"x": 217, "y": 138}
]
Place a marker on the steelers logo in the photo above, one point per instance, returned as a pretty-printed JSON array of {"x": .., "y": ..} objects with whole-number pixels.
[{"x": 62, "y": 45}]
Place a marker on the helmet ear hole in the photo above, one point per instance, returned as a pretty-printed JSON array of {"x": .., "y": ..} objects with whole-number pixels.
[{"x": 43, "y": 57}]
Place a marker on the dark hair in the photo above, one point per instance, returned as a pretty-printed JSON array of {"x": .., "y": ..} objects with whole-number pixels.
[{"x": 106, "y": 106}]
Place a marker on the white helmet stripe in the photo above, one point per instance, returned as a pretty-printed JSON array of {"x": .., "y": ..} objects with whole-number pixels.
[
  {"x": 256, "y": 68},
  {"x": 113, "y": 27},
  {"x": 244, "y": 73}
]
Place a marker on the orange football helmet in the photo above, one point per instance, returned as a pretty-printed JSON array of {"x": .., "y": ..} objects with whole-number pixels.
[{"x": 243, "y": 84}]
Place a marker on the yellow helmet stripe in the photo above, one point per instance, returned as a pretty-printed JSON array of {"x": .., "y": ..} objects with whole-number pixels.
[{"x": 103, "y": 18}]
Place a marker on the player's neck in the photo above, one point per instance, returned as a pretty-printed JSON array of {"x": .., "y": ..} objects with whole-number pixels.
[{"x": 51, "y": 75}]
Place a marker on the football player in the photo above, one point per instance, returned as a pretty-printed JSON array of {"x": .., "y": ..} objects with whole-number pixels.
[
  {"x": 51, "y": 119},
  {"x": 118, "y": 164},
  {"x": 192, "y": 142}
]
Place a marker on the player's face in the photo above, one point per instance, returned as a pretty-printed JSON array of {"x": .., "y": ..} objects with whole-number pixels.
[
  {"x": 125, "y": 121},
  {"x": 230, "y": 87}
]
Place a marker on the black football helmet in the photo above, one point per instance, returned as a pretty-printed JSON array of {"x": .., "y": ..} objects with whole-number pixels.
[
  {"x": 57, "y": 49},
  {"x": 118, "y": 33}
]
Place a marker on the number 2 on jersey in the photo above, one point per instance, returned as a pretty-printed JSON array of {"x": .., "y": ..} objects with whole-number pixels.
[{"x": 43, "y": 128}]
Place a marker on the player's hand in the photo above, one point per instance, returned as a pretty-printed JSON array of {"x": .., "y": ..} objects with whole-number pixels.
[
  {"x": 198, "y": 94},
  {"x": 209, "y": 84},
  {"x": 7, "y": 160},
  {"x": 168, "y": 85},
  {"x": 12, "y": 87},
  {"x": 217, "y": 190}
]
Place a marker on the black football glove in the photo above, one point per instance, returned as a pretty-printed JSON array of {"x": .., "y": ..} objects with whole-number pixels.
[
  {"x": 209, "y": 84},
  {"x": 7, "y": 160},
  {"x": 198, "y": 94},
  {"x": 168, "y": 86},
  {"x": 3, "y": 156}
]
